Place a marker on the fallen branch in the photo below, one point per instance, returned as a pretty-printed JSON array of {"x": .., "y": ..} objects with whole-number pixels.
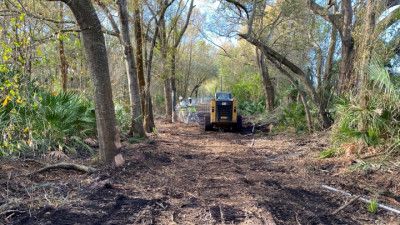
[
  {"x": 67, "y": 166},
  {"x": 372, "y": 156},
  {"x": 361, "y": 198},
  {"x": 11, "y": 211},
  {"x": 345, "y": 205}
]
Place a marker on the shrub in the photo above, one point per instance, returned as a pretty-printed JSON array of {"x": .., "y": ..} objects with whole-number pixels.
[
  {"x": 33, "y": 120},
  {"x": 294, "y": 116},
  {"x": 251, "y": 108},
  {"x": 379, "y": 118}
]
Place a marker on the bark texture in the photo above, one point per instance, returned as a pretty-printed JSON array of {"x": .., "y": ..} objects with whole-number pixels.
[
  {"x": 134, "y": 97},
  {"x": 139, "y": 53},
  {"x": 96, "y": 55},
  {"x": 63, "y": 58},
  {"x": 268, "y": 88},
  {"x": 272, "y": 56}
]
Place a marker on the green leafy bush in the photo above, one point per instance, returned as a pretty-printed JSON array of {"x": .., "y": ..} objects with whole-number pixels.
[
  {"x": 33, "y": 120},
  {"x": 123, "y": 118},
  {"x": 376, "y": 124},
  {"x": 252, "y": 108},
  {"x": 294, "y": 116}
]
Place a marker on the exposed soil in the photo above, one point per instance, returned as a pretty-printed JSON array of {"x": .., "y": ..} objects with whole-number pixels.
[{"x": 185, "y": 175}]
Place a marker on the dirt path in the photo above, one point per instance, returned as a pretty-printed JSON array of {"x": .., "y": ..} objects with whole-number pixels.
[{"x": 184, "y": 175}]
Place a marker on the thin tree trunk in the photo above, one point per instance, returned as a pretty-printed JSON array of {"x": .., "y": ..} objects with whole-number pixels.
[
  {"x": 267, "y": 84},
  {"x": 168, "y": 99},
  {"x": 149, "y": 119},
  {"x": 326, "y": 87},
  {"x": 139, "y": 53},
  {"x": 63, "y": 59},
  {"x": 96, "y": 55},
  {"x": 346, "y": 67},
  {"x": 63, "y": 65},
  {"x": 166, "y": 77},
  {"x": 173, "y": 79},
  {"x": 134, "y": 97},
  {"x": 186, "y": 80},
  {"x": 301, "y": 93}
]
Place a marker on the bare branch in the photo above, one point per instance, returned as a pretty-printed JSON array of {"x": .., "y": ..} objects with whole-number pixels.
[
  {"x": 240, "y": 7},
  {"x": 31, "y": 15},
  {"x": 388, "y": 21},
  {"x": 178, "y": 40},
  {"x": 334, "y": 19},
  {"x": 109, "y": 16}
]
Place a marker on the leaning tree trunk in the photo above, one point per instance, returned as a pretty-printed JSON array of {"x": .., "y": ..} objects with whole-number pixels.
[
  {"x": 96, "y": 55},
  {"x": 301, "y": 93},
  {"x": 273, "y": 55},
  {"x": 267, "y": 84},
  {"x": 134, "y": 97}
]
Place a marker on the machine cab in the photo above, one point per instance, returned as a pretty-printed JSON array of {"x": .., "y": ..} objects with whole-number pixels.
[{"x": 223, "y": 96}]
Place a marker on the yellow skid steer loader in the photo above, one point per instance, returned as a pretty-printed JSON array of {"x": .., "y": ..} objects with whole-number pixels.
[{"x": 223, "y": 113}]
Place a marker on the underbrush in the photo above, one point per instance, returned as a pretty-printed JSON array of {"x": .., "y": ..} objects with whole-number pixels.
[
  {"x": 33, "y": 120},
  {"x": 247, "y": 108},
  {"x": 373, "y": 128},
  {"x": 294, "y": 116}
]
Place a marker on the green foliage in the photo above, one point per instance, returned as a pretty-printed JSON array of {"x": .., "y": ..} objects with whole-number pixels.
[
  {"x": 373, "y": 206},
  {"x": 378, "y": 118},
  {"x": 136, "y": 139},
  {"x": 123, "y": 118},
  {"x": 33, "y": 120},
  {"x": 251, "y": 108},
  {"x": 294, "y": 117},
  {"x": 327, "y": 153},
  {"x": 247, "y": 87}
]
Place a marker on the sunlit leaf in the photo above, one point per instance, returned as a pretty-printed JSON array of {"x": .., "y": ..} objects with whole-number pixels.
[{"x": 5, "y": 101}]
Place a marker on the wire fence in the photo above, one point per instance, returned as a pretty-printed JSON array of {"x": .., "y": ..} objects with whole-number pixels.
[{"x": 186, "y": 115}]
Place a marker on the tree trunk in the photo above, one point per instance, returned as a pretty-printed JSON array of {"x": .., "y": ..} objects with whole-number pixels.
[
  {"x": 365, "y": 51},
  {"x": 186, "y": 80},
  {"x": 139, "y": 53},
  {"x": 346, "y": 68},
  {"x": 177, "y": 39},
  {"x": 267, "y": 84},
  {"x": 63, "y": 59},
  {"x": 272, "y": 55},
  {"x": 301, "y": 93},
  {"x": 96, "y": 55},
  {"x": 173, "y": 79},
  {"x": 168, "y": 99},
  {"x": 326, "y": 86},
  {"x": 165, "y": 77},
  {"x": 134, "y": 97}
]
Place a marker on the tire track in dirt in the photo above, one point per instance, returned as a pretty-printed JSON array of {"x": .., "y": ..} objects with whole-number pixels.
[{"x": 184, "y": 175}]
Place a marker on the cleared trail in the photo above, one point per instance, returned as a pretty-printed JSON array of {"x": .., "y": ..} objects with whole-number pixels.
[{"x": 184, "y": 175}]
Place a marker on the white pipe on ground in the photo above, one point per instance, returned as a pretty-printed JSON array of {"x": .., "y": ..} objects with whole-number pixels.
[{"x": 361, "y": 198}]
